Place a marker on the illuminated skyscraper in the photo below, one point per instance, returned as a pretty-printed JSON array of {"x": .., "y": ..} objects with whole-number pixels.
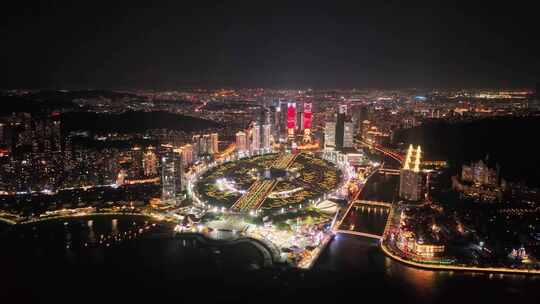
[
  {"x": 283, "y": 133},
  {"x": 196, "y": 142},
  {"x": 187, "y": 154},
  {"x": 410, "y": 182},
  {"x": 134, "y": 159},
  {"x": 215, "y": 146},
  {"x": 348, "y": 134},
  {"x": 340, "y": 126},
  {"x": 299, "y": 121},
  {"x": 330, "y": 135},
  {"x": 266, "y": 132},
  {"x": 291, "y": 119},
  {"x": 307, "y": 115},
  {"x": 205, "y": 145},
  {"x": 168, "y": 178},
  {"x": 255, "y": 138},
  {"x": 307, "y": 121},
  {"x": 366, "y": 125},
  {"x": 172, "y": 171},
  {"x": 150, "y": 162},
  {"x": 276, "y": 128},
  {"x": 241, "y": 142}
]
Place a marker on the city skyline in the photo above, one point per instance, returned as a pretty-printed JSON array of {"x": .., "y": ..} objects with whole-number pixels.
[{"x": 304, "y": 151}]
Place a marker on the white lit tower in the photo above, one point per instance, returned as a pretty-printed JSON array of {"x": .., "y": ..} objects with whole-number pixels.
[
  {"x": 256, "y": 138},
  {"x": 276, "y": 123},
  {"x": 172, "y": 171},
  {"x": 410, "y": 183},
  {"x": 168, "y": 181}
]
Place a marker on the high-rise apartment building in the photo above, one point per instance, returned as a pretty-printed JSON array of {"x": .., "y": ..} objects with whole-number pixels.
[
  {"x": 256, "y": 138},
  {"x": 214, "y": 143},
  {"x": 241, "y": 141},
  {"x": 330, "y": 135},
  {"x": 150, "y": 162},
  {"x": 266, "y": 134}
]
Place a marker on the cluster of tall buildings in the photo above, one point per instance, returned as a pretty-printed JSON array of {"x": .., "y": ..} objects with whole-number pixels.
[
  {"x": 205, "y": 145},
  {"x": 480, "y": 182},
  {"x": 411, "y": 182},
  {"x": 78, "y": 166},
  {"x": 479, "y": 173},
  {"x": 41, "y": 133},
  {"x": 292, "y": 119},
  {"x": 339, "y": 134},
  {"x": 135, "y": 164},
  {"x": 256, "y": 139}
]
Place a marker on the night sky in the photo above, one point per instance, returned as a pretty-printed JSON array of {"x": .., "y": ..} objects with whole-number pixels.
[{"x": 311, "y": 44}]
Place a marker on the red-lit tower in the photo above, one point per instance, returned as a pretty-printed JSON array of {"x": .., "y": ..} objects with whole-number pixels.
[
  {"x": 307, "y": 122},
  {"x": 291, "y": 115}
]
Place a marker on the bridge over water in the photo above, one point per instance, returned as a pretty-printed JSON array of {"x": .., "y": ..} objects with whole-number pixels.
[{"x": 365, "y": 218}]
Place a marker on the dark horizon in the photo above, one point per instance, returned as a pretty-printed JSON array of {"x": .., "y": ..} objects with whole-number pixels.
[{"x": 305, "y": 45}]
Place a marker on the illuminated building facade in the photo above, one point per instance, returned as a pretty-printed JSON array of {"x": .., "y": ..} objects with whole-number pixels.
[
  {"x": 172, "y": 171},
  {"x": 407, "y": 242},
  {"x": 277, "y": 122},
  {"x": 410, "y": 182},
  {"x": 299, "y": 122},
  {"x": 187, "y": 154},
  {"x": 340, "y": 126},
  {"x": 330, "y": 135},
  {"x": 241, "y": 142},
  {"x": 204, "y": 145},
  {"x": 282, "y": 122},
  {"x": 266, "y": 133},
  {"x": 168, "y": 180},
  {"x": 121, "y": 178},
  {"x": 150, "y": 162},
  {"x": 215, "y": 143},
  {"x": 291, "y": 119},
  {"x": 339, "y": 134},
  {"x": 256, "y": 138},
  {"x": 366, "y": 124},
  {"x": 480, "y": 174},
  {"x": 307, "y": 122},
  {"x": 348, "y": 134}
]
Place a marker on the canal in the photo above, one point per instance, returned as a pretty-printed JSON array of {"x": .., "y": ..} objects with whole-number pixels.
[{"x": 366, "y": 219}]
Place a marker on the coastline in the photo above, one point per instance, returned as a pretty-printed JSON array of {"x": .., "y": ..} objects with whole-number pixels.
[{"x": 388, "y": 253}]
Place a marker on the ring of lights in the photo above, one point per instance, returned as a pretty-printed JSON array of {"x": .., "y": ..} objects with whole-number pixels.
[{"x": 285, "y": 181}]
